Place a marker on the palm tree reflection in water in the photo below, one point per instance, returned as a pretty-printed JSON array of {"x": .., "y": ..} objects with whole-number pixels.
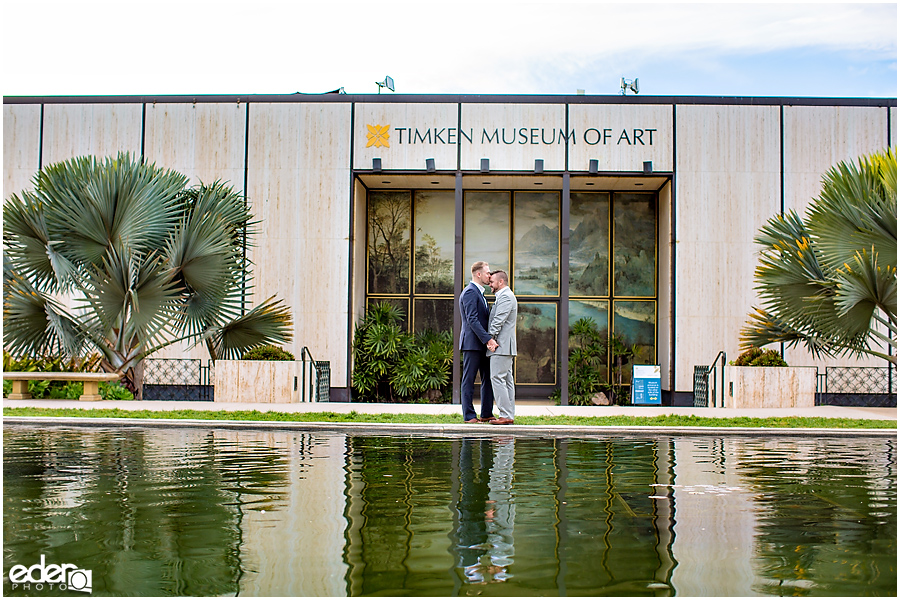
[{"x": 486, "y": 510}]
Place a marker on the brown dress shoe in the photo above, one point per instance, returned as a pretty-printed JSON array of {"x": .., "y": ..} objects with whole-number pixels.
[
  {"x": 473, "y": 421},
  {"x": 483, "y": 420},
  {"x": 502, "y": 422}
]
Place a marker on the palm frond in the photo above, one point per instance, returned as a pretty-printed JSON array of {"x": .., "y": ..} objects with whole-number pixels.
[{"x": 268, "y": 323}]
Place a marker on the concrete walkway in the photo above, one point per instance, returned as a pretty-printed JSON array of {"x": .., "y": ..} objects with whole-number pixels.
[{"x": 522, "y": 409}]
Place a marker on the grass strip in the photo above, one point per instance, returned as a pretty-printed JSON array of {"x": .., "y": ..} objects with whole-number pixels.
[{"x": 355, "y": 417}]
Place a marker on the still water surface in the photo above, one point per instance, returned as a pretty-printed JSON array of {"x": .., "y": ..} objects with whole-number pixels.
[{"x": 187, "y": 511}]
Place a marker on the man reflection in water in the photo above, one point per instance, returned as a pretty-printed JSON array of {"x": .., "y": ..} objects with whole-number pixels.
[{"x": 486, "y": 510}]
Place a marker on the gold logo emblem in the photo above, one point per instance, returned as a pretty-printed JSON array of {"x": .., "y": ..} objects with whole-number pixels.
[{"x": 378, "y": 136}]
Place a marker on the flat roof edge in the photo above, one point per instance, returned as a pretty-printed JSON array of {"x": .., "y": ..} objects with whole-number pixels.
[{"x": 455, "y": 99}]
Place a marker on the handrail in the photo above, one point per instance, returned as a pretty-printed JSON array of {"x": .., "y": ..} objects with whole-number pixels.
[
  {"x": 312, "y": 380},
  {"x": 712, "y": 368}
]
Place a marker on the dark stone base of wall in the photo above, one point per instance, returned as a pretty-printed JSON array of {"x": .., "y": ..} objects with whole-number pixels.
[
  {"x": 677, "y": 398},
  {"x": 868, "y": 400},
  {"x": 183, "y": 393}
]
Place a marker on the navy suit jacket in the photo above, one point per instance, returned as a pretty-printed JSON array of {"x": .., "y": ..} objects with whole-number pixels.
[{"x": 474, "y": 309}]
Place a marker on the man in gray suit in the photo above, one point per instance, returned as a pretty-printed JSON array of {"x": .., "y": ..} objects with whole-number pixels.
[{"x": 502, "y": 347}]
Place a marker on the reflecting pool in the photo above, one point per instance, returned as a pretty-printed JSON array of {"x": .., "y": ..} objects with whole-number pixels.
[{"x": 195, "y": 511}]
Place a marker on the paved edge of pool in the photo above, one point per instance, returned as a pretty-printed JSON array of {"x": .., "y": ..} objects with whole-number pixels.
[{"x": 452, "y": 429}]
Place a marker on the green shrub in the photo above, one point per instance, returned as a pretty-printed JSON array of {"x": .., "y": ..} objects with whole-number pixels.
[
  {"x": 268, "y": 352},
  {"x": 114, "y": 390},
  {"x": 391, "y": 365},
  {"x": 69, "y": 390},
  {"x": 757, "y": 357},
  {"x": 769, "y": 358},
  {"x": 747, "y": 357}
]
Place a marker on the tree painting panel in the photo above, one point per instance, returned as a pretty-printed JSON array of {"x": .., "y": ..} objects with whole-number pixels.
[
  {"x": 589, "y": 244},
  {"x": 389, "y": 242},
  {"x": 401, "y": 303},
  {"x": 536, "y": 258},
  {"x": 435, "y": 218},
  {"x": 597, "y": 311},
  {"x": 635, "y": 322},
  {"x": 634, "y": 250},
  {"x": 486, "y": 231},
  {"x": 435, "y": 314},
  {"x": 536, "y": 342}
]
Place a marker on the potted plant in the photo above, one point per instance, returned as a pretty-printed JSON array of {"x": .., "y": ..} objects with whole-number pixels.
[
  {"x": 762, "y": 379},
  {"x": 264, "y": 374}
]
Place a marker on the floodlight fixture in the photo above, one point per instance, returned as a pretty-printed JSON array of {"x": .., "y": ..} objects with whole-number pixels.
[
  {"x": 388, "y": 83},
  {"x": 628, "y": 84}
]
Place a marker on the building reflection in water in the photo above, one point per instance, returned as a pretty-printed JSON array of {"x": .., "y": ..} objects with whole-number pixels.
[{"x": 220, "y": 512}]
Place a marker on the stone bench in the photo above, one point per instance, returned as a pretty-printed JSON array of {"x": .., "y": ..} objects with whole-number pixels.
[{"x": 91, "y": 382}]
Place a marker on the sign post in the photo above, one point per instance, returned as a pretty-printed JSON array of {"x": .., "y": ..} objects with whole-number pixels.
[{"x": 645, "y": 387}]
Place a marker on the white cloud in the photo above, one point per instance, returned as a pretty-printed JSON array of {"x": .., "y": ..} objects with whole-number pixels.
[{"x": 193, "y": 46}]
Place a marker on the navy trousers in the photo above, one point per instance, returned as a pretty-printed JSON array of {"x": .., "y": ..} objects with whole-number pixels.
[{"x": 476, "y": 361}]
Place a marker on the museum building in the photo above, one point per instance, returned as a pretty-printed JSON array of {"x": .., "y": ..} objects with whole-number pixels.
[{"x": 636, "y": 211}]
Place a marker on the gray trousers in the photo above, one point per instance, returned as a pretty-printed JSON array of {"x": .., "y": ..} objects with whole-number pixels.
[{"x": 503, "y": 384}]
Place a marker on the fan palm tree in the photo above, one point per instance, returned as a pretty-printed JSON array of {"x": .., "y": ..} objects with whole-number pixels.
[
  {"x": 149, "y": 262},
  {"x": 829, "y": 282}
]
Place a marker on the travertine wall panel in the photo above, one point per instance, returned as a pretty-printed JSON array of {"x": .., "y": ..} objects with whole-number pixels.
[
  {"x": 404, "y": 135},
  {"x": 893, "y": 133},
  {"x": 21, "y": 146},
  {"x": 727, "y": 180},
  {"x": 620, "y": 137},
  {"x": 100, "y": 130},
  {"x": 664, "y": 287},
  {"x": 299, "y": 188},
  {"x": 513, "y": 136},
  {"x": 816, "y": 139},
  {"x": 203, "y": 141}
]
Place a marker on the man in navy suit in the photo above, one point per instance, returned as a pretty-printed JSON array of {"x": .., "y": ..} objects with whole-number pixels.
[{"x": 472, "y": 342}]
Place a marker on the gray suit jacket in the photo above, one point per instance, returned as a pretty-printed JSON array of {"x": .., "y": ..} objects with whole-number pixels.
[{"x": 502, "y": 322}]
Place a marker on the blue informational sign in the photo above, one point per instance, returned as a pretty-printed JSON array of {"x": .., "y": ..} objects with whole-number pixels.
[{"x": 645, "y": 385}]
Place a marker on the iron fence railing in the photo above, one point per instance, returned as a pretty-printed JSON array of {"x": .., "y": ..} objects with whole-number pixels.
[
  {"x": 841, "y": 386},
  {"x": 189, "y": 379},
  {"x": 185, "y": 379},
  {"x": 858, "y": 386}
]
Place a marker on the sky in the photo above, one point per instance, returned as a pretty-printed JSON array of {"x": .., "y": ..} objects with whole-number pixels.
[{"x": 159, "y": 47}]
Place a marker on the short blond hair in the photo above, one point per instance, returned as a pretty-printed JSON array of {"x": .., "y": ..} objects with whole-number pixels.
[{"x": 478, "y": 265}]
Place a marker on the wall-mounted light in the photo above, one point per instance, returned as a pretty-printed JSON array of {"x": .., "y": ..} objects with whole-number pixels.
[
  {"x": 485, "y": 165},
  {"x": 539, "y": 165},
  {"x": 429, "y": 165},
  {"x": 648, "y": 167},
  {"x": 376, "y": 164},
  {"x": 594, "y": 166}
]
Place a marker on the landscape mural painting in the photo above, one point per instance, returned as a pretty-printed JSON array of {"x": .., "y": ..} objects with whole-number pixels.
[
  {"x": 536, "y": 341},
  {"x": 388, "y": 242},
  {"x": 435, "y": 213},
  {"x": 635, "y": 245},
  {"x": 435, "y": 314},
  {"x": 635, "y": 322},
  {"x": 536, "y": 253},
  {"x": 486, "y": 231},
  {"x": 596, "y": 310},
  {"x": 589, "y": 244}
]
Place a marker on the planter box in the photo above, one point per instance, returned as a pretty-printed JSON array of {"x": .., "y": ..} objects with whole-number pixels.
[
  {"x": 770, "y": 387},
  {"x": 266, "y": 381}
]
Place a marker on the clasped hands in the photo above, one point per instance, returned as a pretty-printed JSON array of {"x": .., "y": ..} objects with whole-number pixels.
[{"x": 492, "y": 344}]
